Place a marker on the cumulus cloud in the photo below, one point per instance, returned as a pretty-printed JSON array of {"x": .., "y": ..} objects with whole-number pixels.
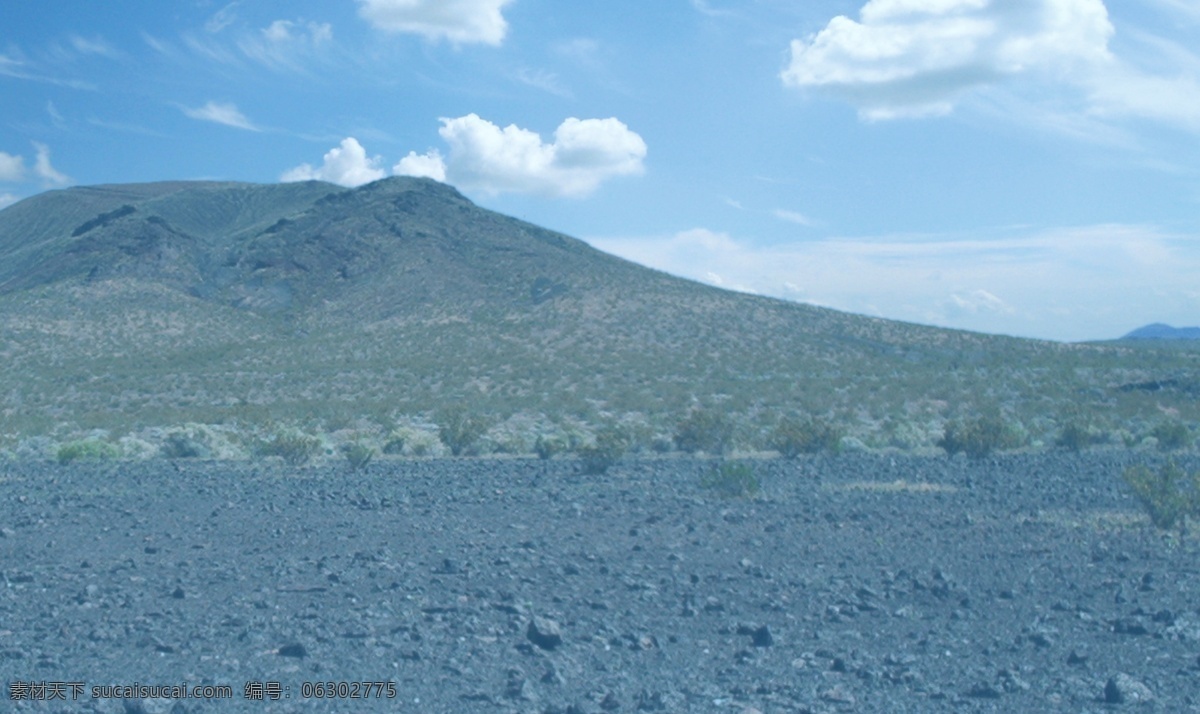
[
  {"x": 429, "y": 165},
  {"x": 345, "y": 165},
  {"x": 44, "y": 171},
  {"x": 12, "y": 168},
  {"x": 1068, "y": 284},
  {"x": 7, "y": 199},
  {"x": 221, "y": 113},
  {"x": 583, "y": 154},
  {"x": 916, "y": 57},
  {"x": 459, "y": 21},
  {"x": 912, "y": 58}
]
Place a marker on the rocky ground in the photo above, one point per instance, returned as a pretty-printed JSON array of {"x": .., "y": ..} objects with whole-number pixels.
[{"x": 855, "y": 583}]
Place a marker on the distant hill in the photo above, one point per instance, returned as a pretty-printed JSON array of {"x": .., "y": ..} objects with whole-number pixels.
[
  {"x": 1159, "y": 331},
  {"x": 130, "y": 306}
]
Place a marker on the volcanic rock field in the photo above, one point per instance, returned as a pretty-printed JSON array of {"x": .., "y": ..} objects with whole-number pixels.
[{"x": 851, "y": 583}]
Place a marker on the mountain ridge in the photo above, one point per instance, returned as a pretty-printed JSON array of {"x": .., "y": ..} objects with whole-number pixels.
[
  {"x": 1161, "y": 331},
  {"x": 211, "y": 301}
]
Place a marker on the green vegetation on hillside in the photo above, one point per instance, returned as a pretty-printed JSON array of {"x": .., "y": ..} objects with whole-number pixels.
[
  {"x": 193, "y": 315},
  {"x": 1169, "y": 495}
]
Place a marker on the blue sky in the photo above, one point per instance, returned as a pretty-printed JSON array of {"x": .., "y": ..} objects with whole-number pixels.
[{"x": 1026, "y": 167}]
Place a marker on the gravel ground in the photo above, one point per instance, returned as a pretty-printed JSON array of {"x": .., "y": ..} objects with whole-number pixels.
[{"x": 855, "y": 583}]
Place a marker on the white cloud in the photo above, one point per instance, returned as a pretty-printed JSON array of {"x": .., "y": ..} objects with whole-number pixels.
[
  {"x": 221, "y": 113},
  {"x": 1069, "y": 284},
  {"x": 12, "y": 168},
  {"x": 157, "y": 45},
  {"x": 299, "y": 31},
  {"x": 916, "y": 57},
  {"x": 1186, "y": 8},
  {"x": 428, "y": 165},
  {"x": 705, "y": 8},
  {"x": 286, "y": 44},
  {"x": 912, "y": 58},
  {"x": 584, "y": 153},
  {"x": 94, "y": 46},
  {"x": 543, "y": 80},
  {"x": 793, "y": 217},
  {"x": 43, "y": 170},
  {"x": 459, "y": 21},
  {"x": 7, "y": 199},
  {"x": 1127, "y": 92},
  {"x": 977, "y": 301},
  {"x": 345, "y": 165}
]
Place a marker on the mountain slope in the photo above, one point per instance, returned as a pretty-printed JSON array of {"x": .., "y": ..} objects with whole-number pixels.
[
  {"x": 128, "y": 306},
  {"x": 1159, "y": 331}
]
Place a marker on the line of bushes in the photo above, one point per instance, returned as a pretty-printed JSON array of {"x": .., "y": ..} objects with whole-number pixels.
[{"x": 706, "y": 431}]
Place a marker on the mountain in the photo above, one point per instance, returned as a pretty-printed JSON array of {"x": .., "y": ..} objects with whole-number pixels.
[
  {"x": 131, "y": 306},
  {"x": 1159, "y": 331}
]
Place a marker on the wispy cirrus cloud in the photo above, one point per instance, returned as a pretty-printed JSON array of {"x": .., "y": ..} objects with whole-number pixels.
[
  {"x": 94, "y": 46},
  {"x": 542, "y": 79},
  {"x": 222, "y": 18},
  {"x": 16, "y": 65},
  {"x": 42, "y": 168},
  {"x": 283, "y": 45},
  {"x": 287, "y": 44},
  {"x": 793, "y": 217},
  {"x": 220, "y": 113}
]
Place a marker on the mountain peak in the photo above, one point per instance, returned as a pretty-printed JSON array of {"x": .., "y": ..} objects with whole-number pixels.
[
  {"x": 390, "y": 246},
  {"x": 1160, "y": 331}
]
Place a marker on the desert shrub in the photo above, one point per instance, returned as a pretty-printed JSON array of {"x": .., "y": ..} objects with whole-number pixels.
[
  {"x": 1172, "y": 435},
  {"x": 415, "y": 440},
  {"x": 547, "y": 447},
  {"x": 292, "y": 445},
  {"x": 731, "y": 479},
  {"x": 358, "y": 455},
  {"x": 793, "y": 436},
  {"x": 704, "y": 430},
  {"x": 661, "y": 443},
  {"x": 979, "y": 437},
  {"x": 204, "y": 441},
  {"x": 1077, "y": 436},
  {"x": 1169, "y": 495},
  {"x": 412, "y": 439},
  {"x": 394, "y": 444},
  {"x": 183, "y": 445},
  {"x": 86, "y": 449},
  {"x": 460, "y": 431},
  {"x": 608, "y": 448},
  {"x": 135, "y": 447}
]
